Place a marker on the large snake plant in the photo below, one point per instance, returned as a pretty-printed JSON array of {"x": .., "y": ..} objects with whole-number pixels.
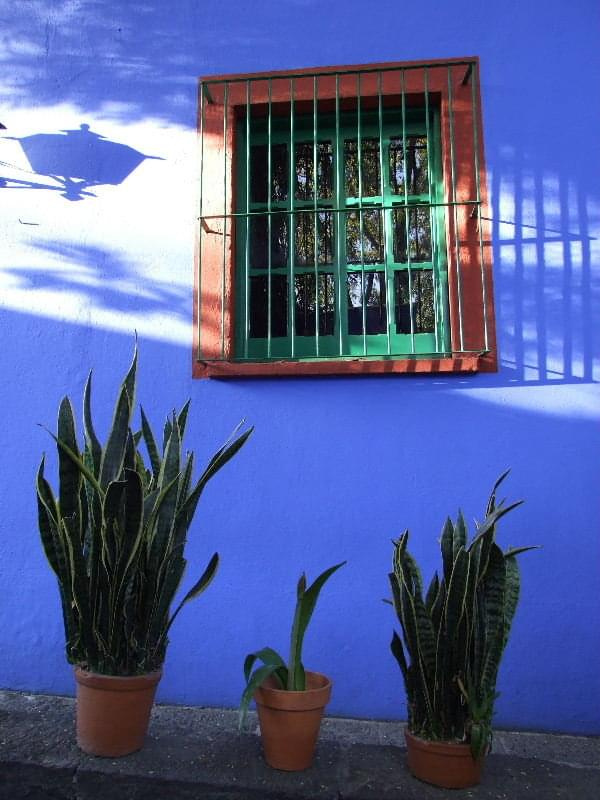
[
  {"x": 455, "y": 634},
  {"x": 115, "y": 535}
]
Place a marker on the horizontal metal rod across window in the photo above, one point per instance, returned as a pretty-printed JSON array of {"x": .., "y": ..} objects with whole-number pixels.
[{"x": 346, "y": 209}]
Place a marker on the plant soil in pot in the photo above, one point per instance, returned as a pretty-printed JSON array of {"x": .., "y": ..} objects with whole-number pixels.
[
  {"x": 113, "y": 712},
  {"x": 290, "y": 700},
  {"x": 449, "y": 765},
  {"x": 290, "y": 721}
]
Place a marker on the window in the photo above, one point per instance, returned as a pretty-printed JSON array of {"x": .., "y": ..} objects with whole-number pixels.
[{"x": 342, "y": 224}]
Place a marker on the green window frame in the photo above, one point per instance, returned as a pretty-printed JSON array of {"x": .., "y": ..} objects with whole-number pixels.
[{"x": 368, "y": 284}]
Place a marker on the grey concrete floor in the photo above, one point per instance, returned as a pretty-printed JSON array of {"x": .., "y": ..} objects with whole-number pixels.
[{"x": 197, "y": 753}]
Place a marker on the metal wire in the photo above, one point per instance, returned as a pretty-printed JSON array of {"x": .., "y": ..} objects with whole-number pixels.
[
  {"x": 201, "y": 232},
  {"x": 453, "y": 195}
]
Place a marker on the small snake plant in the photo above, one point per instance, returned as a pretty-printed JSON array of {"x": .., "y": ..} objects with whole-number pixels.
[
  {"x": 290, "y": 676},
  {"x": 115, "y": 535},
  {"x": 455, "y": 634}
]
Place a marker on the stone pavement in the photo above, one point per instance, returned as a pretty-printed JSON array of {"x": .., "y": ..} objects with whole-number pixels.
[{"x": 197, "y": 753}]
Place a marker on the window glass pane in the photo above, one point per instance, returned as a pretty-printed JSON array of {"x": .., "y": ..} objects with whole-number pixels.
[
  {"x": 372, "y": 237},
  {"x": 304, "y": 287},
  {"x": 374, "y": 292},
  {"x": 259, "y": 172},
  {"x": 259, "y": 234},
  {"x": 419, "y": 234},
  {"x": 422, "y": 305},
  {"x": 416, "y": 158},
  {"x": 370, "y": 175},
  {"x": 305, "y": 177},
  {"x": 304, "y": 239},
  {"x": 259, "y": 295}
]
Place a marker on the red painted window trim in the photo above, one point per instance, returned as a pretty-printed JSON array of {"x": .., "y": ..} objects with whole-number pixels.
[{"x": 218, "y": 361}]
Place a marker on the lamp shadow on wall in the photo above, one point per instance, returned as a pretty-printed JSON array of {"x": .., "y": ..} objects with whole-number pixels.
[{"x": 76, "y": 160}]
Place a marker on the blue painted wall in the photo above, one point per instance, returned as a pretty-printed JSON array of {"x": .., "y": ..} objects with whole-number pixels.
[{"x": 336, "y": 467}]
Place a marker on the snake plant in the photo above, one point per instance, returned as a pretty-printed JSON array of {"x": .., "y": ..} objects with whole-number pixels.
[
  {"x": 454, "y": 634},
  {"x": 116, "y": 532},
  {"x": 290, "y": 676}
]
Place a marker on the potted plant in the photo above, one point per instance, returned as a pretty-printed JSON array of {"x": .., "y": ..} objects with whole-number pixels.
[
  {"x": 289, "y": 699},
  {"x": 453, "y": 639},
  {"x": 115, "y": 537}
]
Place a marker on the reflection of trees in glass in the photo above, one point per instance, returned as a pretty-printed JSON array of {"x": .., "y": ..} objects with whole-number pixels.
[
  {"x": 375, "y": 305},
  {"x": 304, "y": 287},
  {"x": 419, "y": 234},
  {"x": 419, "y": 302},
  {"x": 259, "y": 234},
  {"x": 259, "y": 322},
  {"x": 305, "y": 178},
  {"x": 259, "y": 172},
  {"x": 370, "y": 175},
  {"x": 372, "y": 238},
  {"x": 304, "y": 240},
  {"x": 416, "y": 160}
]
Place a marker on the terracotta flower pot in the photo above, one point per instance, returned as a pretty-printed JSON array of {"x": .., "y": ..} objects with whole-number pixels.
[
  {"x": 290, "y": 721},
  {"x": 446, "y": 764},
  {"x": 113, "y": 711}
]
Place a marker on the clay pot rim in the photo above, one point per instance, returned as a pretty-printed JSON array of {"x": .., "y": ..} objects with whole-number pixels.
[
  {"x": 441, "y": 746},
  {"x": 116, "y": 683},
  {"x": 324, "y": 681},
  {"x": 290, "y": 700}
]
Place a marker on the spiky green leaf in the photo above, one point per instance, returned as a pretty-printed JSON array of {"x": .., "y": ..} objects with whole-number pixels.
[
  {"x": 182, "y": 418},
  {"x": 447, "y": 548},
  {"x": 457, "y": 593},
  {"x": 77, "y": 460},
  {"x": 114, "y": 453},
  {"x": 307, "y": 600},
  {"x": 268, "y": 656},
  {"x": 432, "y": 592},
  {"x": 69, "y": 474},
  {"x": 512, "y": 591},
  {"x": 200, "y": 586},
  {"x": 459, "y": 536},
  {"x": 48, "y": 524},
  {"x": 398, "y": 653},
  {"x": 257, "y": 679},
  {"x": 155, "y": 459},
  {"x": 516, "y": 551},
  {"x": 221, "y": 457},
  {"x": 129, "y": 382},
  {"x": 94, "y": 446},
  {"x": 495, "y": 587},
  {"x": 491, "y": 504}
]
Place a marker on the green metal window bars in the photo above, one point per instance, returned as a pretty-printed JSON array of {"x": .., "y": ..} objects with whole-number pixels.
[{"x": 350, "y": 221}]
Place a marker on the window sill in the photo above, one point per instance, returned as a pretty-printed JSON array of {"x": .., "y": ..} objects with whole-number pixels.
[{"x": 466, "y": 363}]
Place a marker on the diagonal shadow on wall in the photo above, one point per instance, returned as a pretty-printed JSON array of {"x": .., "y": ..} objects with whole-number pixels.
[{"x": 102, "y": 279}]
